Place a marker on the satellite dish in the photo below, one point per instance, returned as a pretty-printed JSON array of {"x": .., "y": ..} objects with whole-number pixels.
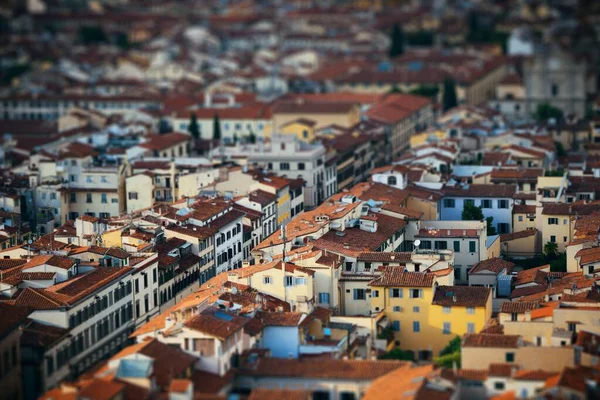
[
  {"x": 417, "y": 242},
  {"x": 30, "y": 241}
]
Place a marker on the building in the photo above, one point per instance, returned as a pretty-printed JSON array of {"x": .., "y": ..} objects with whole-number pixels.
[
  {"x": 496, "y": 201},
  {"x": 423, "y": 316},
  {"x": 13, "y": 319},
  {"x": 467, "y": 239}
]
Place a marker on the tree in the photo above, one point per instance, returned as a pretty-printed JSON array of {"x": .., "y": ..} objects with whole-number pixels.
[
  {"x": 398, "y": 354},
  {"x": 92, "y": 34},
  {"x": 397, "y": 41},
  {"x": 551, "y": 250},
  {"x": 491, "y": 229},
  {"x": 546, "y": 111},
  {"x": 193, "y": 128},
  {"x": 450, "y": 354},
  {"x": 449, "y": 97},
  {"x": 164, "y": 126},
  {"x": 471, "y": 212},
  {"x": 216, "y": 127},
  {"x": 560, "y": 149}
]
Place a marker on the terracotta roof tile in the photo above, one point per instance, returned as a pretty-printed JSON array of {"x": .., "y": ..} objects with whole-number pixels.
[
  {"x": 288, "y": 394},
  {"x": 519, "y": 307},
  {"x": 518, "y": 235},
  {"x": 280, "y": 318},
  {"x": 481, "y": 190},
  {"x": 165, "y": 141},
  {"x": 495, "y": 265},
  {"x": 321, "y": 368},
  {"x": 376, "y": 256},
  {"x": 217, "y": 323},
  {"x": 463, "y": 296},
  {"x": 491, "y": 340},
  {"x": 503, "y": 370},
  {"x": 397, "y": 277}
]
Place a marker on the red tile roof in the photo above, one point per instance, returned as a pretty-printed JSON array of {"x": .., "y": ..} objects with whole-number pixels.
[
  {"x": 491, "y": 340},
  {"x": 495, "y": 265},
  {"x": 165, "y": 141},
  {"x": 357, "y": 370},
  {"x": 462, "y": 296},
  {"x": 216, "y": 323},
  {"x": 519, "y": 307},
  {"x": 507, "y": 237},
  {"x": 397, "y": 277}
]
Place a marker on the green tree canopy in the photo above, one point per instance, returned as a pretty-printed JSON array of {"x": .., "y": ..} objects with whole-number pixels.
[
  {"x": 471, "y": 212},
  {"x": 449, "y": 99},
  {"x": 551, "y": 250},
  {"x": 193, "y": 128},
  {"x": 450, "y": 354},
  {"x": 92, "y": 34},
  {"x": 397, "y": 41},
  {"x": 216, "y": 127},
  {"x": 546, "y": 111},
  {"x": 398, "y": 354}
]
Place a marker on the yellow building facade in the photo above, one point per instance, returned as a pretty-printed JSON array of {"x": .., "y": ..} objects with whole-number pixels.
[{"x": 425, "y": 317}]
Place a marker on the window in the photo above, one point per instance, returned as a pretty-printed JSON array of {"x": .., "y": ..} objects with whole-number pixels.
[
  {"x": 359, "y": 294},
  {"x": 457, "y": 246},
  {"x": 470, "y": 327},
  {"x": 133, "y": 196},
  {"x": 416, "y": 326},
  {"x": 552, "y": 221},
  {"x": 103, "y": 198},
  {"x": 367, "y": 266},
  {"x": 469, "y": 201},
  {"x": 73, "y": 178},
  {"x": 449, "y": 203},
  {"x": 472, "y": 246},
  {"x": 284, "y": 166},
  {"x": 457, "y": 272},
  {"x": 499, "y": 385},
  {"x": 502, "y": 203},
  {"x": 73, "y": 197},
  {"x": 301, "y": 166},
  {"x": 553, "y": 239},
  {"x": 396, "y": 326},
  {"x": 513, "y": 317},
  {"x": 300, "y": 281},
  {"x": 426, "y": 244},
  {"x": 416, "y": 293},
  {"x": 564, "y": 221},
  {"x": 267, "y": 280},
  {"x": 470, "y": 310},
  {"x": 88, "y": 197},
  {"x": 510, "y": 357},
  {"x": 397, "y": 308},
  {"x": 503, "y": 227},
  {"x": 447, "y": 328},
  {"x": 564, "y": 239},
  {"x": 441, "y": 245},
  {"x": 52, "y": 196},
  {"x": 324, "y": 298},
  {"x": 375, "y": 293},
  {"x": 392, "y": 181},
  {"x": 486, "y": 203},
  {"x": 446, "y": 309},
  {"x": 416, "y": 309},
  {"x": 396, "y": 293},
  {"x": 88, "y": 179},
  {"x": 554, "y": 90},
  {"x": 520, "y": 218}
]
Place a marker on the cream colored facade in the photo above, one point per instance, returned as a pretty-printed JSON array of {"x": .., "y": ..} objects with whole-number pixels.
[
  {"x": 521, "y": 247},
  {"x": 552, "y": 359},
  {"x": 292, "y": 285},
  {"x": 556, "y": 229},
  {"x": 140, "y": 192},
  {"x": 523, "y": 221},
  {"x": 345, "y": 119}
]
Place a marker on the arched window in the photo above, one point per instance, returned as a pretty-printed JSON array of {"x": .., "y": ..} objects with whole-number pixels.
[{"x": 392, "y": 181}]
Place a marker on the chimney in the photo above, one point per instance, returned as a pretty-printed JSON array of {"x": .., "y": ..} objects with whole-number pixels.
[{"x": 392, "y": 257}]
